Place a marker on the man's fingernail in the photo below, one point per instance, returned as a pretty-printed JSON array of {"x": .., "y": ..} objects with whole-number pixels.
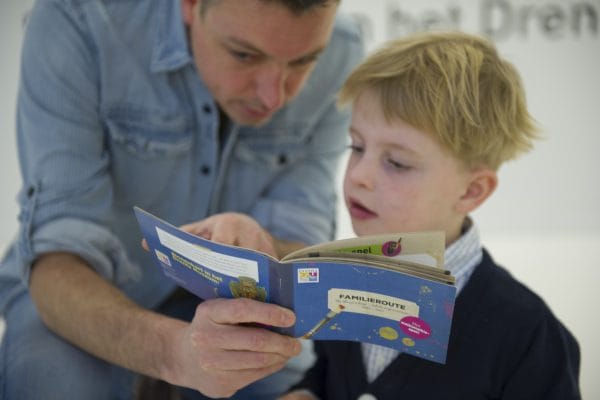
[
  {"x": 297, "y": 347},
  {"x": 288, "y": 318}
]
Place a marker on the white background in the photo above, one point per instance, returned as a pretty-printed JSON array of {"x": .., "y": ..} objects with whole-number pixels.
[{"x": 542, "y": 222}]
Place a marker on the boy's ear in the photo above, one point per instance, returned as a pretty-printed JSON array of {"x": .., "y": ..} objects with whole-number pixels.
[{"x": 482, "y": 183}]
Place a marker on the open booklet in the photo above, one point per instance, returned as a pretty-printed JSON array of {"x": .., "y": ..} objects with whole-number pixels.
[{"x": 389, "y": 290}]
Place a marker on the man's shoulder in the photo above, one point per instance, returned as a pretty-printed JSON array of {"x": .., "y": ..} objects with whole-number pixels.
[
  {"x": 81, "y": 11},
  {"x": 346, "y": 43},
  {"x": 83, "y": 2},
  {"x": 73, "y": 3},
  {"x": 344, "y": 52},
  {"x": 122, "y": 7},
  {"x": 347, "y": 28}
]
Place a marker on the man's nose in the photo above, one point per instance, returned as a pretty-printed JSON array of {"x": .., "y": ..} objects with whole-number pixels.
[{"x": 270, "y": 86}]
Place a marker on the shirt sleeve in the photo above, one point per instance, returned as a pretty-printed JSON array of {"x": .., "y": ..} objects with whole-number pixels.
[{"x": 67, "y": 189}]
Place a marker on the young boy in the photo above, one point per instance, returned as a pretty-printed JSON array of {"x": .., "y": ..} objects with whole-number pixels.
[{"x": 434, "y": 117}]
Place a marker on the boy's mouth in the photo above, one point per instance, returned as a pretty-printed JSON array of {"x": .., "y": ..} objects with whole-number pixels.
[{"x": 359, "y": 211}]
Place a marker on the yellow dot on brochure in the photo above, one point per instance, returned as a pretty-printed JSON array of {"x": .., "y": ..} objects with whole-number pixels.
[
  {"x": 408, "y": 342},
  {"x": 388, "y": 333}
]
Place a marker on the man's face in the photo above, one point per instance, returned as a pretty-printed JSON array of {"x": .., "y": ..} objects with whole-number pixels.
[
  {"x": 400, "y": 179},
  {"x": 253, "y": 55}
]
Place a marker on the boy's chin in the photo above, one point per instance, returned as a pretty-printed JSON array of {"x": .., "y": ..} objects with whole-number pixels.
[{"x": 366, "y": 229}]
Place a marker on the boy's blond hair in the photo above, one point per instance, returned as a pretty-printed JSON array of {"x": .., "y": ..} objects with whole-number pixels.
[{"x": 454, "y": 86}]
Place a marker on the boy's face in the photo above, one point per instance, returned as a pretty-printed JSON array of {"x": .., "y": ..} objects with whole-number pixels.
[
  {"x": 399, "y": 179},
  {"x": 253, "y": 55}
]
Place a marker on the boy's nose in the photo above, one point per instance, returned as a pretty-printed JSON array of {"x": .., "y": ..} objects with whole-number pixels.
[{"x": 362, "y": 173}]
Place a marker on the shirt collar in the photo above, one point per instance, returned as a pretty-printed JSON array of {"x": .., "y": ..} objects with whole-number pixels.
[
  {"x": 462, "y": 256},
  {"x": 171, "y": 49}
]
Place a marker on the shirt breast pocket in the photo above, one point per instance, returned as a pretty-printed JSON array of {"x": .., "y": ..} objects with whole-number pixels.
[
  {"x": 150, "y": 155},
  {"x": 258, "y": 164}
]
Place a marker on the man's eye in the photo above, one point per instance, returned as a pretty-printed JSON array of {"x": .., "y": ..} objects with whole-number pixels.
[
  {"x": 241, "y": 55},
  {"x": 304, "y": 62}
]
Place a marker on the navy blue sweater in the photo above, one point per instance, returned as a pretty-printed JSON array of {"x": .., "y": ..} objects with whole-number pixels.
[{"x": 505, "y": 344}]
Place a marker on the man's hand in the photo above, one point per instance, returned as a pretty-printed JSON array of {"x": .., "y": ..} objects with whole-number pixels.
[
  {"x": 218, "y": 353},
  {"x": 236, "y": 229},
  {"x": 226, "y": 346}
]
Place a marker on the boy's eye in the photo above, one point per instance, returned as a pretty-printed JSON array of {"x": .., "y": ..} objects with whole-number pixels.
[
  {"x": 397, "y": 165},
  {"x": 356, "y": 148}
]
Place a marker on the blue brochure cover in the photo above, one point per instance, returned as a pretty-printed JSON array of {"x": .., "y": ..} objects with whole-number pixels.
[{"x": 387, "y": 289}]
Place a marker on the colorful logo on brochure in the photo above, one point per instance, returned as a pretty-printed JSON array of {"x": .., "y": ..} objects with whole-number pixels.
[{"x": 308, "y": 275}]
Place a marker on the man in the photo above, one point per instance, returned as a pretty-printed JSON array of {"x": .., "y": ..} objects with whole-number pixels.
[{"x": 185, "y": 109}]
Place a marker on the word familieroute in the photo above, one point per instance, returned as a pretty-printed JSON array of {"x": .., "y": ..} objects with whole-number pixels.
[{"x": 497, "y": 19}]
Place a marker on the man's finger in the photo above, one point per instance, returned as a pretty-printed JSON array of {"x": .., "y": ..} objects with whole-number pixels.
[
  {"x": 234, "y": 360},
  {"x": 255, "y": 347},
  {"x": 201, "y": 229},
  {"x": 242, "y": 310}
]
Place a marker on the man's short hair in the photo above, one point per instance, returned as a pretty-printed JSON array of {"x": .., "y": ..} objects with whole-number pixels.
[{"x": 297, "y": 7}]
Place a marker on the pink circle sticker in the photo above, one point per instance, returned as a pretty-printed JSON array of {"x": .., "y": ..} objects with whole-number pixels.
[
  {"x": 415, "y": 327},
  {"x": 391, "y": 248}
]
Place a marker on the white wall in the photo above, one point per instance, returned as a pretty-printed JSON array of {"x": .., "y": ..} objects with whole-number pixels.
[
  {"x": 11, "y": 15},
  {"x": 542, "y": 223}
]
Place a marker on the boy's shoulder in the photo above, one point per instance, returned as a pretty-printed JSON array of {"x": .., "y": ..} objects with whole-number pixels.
[{"x": 497, "y": 297}]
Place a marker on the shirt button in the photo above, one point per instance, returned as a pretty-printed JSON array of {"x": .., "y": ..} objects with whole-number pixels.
[
  {"x": 366, "y": 396},
  {"x": 205, "y": 170},
  {"x": 206, "y": 108},
  {"x": 30, "y": 191}
]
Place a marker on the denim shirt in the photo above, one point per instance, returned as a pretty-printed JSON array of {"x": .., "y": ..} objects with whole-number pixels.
[{"x": 112, "y": 113}]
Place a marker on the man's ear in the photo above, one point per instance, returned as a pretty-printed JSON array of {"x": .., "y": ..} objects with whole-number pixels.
[
  {"x": 188, "y": 8},
  {"x": 482, "y": 183}
]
